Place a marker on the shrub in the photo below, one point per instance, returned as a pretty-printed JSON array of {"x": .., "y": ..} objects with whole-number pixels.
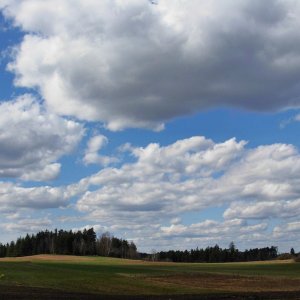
[
  {"x": 297, "y": 258},
  {"x": 285, "y": 256}
]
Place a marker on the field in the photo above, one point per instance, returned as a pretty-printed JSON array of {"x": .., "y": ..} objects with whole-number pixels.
[{"x": 69, "y": 277}]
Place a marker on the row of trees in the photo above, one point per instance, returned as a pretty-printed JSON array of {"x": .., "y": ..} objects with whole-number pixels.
[
  {"x": 70, "y": 242},
  {"x": 87, "y": 243},
  {"x": 217, "y": 254}
]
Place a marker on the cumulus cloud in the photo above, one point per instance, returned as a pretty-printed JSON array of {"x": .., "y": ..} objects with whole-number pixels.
[
  {"x": 32, "y": 140},
  {"x": 162, "y": 180},
  {"x": 263, "y": 209},
  {"x": 166, "y": 182},
  {"x": 133, "y": 64},
  {"x": 14, "y": 197},
  {"x": 287, "y": 230},
  {"x": 27, "y": 225},
  {"x": 210, "y": 228},
  {"x": 287, "y": 233},
  {"x": 92, "y": 155},
  {"x": 147, "y": 199}
]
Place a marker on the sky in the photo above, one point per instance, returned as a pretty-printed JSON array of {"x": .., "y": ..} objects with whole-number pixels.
[{"x": 174, "y": 125}]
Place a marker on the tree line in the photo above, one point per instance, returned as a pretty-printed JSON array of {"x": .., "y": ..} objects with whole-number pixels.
[
  {"x": 69, "y": 243},
  {"x": 86, "y": 242},
  {"x": 216, "y": 254}
]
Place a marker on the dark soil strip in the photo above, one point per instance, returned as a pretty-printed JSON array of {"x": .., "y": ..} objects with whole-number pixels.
[{"x": 17, "y": 293}]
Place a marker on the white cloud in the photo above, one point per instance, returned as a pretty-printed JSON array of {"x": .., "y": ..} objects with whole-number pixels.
[
  {"x": 14, "y": 197},
  {"x": 288, "y": 234},
  {"x": 287, "y": 229},
  {"x": 32, "y": 140},
  {"x": 97, "y": 228},
  {"x": 92, "y": 156},
  {"x": 167, "y": 182},
  {"x": 284, "y": 123},
  {"x": 263, "y": 209},
  {"x": 148, "y": 199},
  {"x": 163, "y": 180},
  {"x": 209, "y": 228},
  {"x": 27, "y": 225},
  {"x": 132, "y": 64}
]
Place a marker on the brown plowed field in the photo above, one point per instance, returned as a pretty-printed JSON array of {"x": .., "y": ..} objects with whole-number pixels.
[{"x": 25, "y": 293}]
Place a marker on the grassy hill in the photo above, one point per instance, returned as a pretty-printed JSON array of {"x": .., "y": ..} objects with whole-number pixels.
[{"x": 109, "y": 276}]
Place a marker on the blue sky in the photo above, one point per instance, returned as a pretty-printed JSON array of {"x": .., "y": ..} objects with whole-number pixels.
[{"x": 174, "y": 125}]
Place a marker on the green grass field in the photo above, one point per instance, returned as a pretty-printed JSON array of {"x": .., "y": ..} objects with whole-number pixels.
[{"x": 107, "y": 276}]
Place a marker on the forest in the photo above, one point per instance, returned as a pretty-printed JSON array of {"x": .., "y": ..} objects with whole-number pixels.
[
  {"x": 216, "y": 254},
  {"x": 86, "y": 242},
  {"x": 69, "y": 243}
]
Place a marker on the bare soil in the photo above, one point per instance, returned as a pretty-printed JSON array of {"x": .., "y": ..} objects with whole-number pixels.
[
  {"x": 26, "y": 293},
  {"x": 230, "y": 283}
]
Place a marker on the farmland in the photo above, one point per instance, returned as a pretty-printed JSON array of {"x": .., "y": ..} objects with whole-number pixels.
[{"x": 68, "y": 277}]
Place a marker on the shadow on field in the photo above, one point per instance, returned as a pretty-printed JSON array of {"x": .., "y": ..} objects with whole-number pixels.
[{"x": 15, "y": 293}]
